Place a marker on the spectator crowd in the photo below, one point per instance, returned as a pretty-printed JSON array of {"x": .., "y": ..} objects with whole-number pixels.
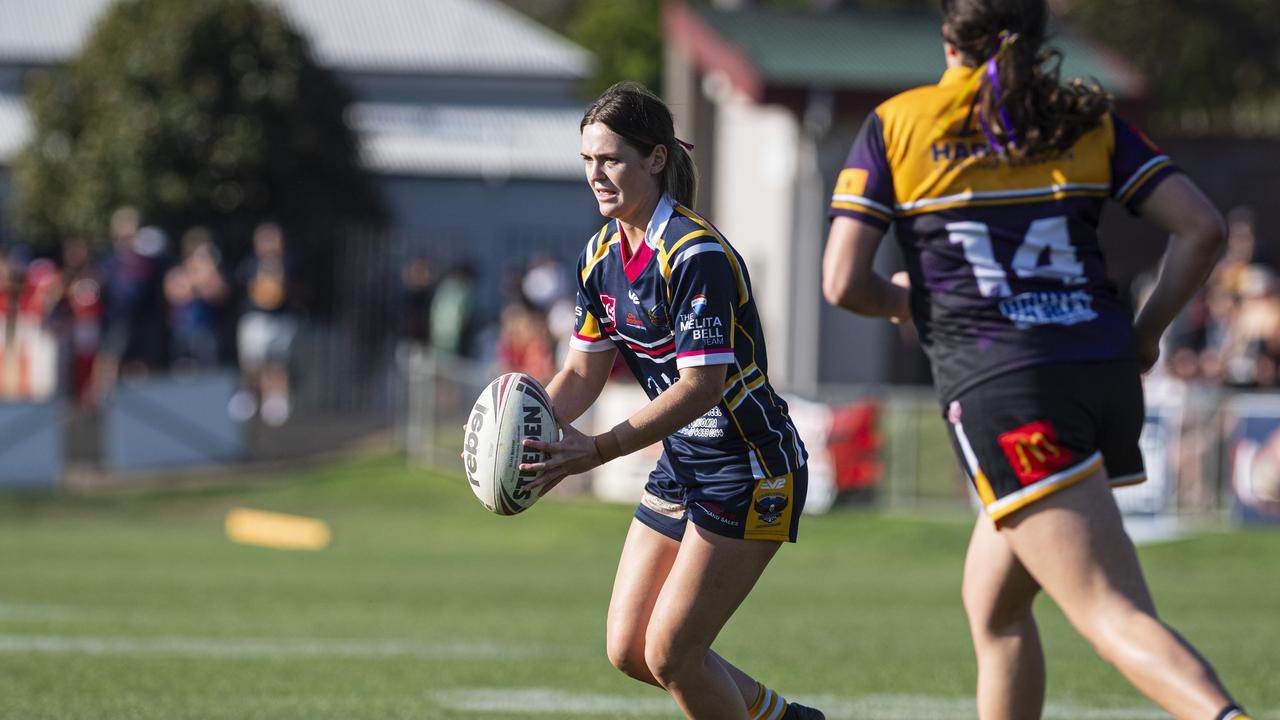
[
  {"x": 1229, "y": 334},
  {"x": 75, "y": 324}
]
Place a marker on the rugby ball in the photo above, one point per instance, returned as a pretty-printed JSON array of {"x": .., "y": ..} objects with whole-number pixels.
[{"x": 511, "y": 408}]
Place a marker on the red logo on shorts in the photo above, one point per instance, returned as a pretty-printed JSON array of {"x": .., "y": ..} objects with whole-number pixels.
[{"x": 1034, "y": 451}]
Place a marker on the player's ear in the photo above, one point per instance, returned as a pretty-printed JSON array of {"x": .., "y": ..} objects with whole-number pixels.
[{"x": 658, "y": 159}]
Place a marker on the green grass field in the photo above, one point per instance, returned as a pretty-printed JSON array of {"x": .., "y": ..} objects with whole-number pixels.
[{"x": 134, "y": 605}]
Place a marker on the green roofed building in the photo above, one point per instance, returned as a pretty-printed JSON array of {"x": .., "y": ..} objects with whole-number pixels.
[{"x": 772, "y": 99}]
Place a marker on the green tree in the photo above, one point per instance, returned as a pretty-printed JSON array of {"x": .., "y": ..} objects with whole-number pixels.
[
  {"x": 210, "y": 112},
  {"x": 626, "y": 38},
  {"x": 1214, "y": 65}
]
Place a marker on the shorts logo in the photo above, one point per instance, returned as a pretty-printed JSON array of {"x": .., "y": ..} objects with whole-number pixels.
[
  {"x": 716, "y": 512},
  {"x": 1034, "y": 452},
  {"x": 610, "y": 304},
  {"x": 769, "y": 507},
  {"x": 698, "y": 302}
]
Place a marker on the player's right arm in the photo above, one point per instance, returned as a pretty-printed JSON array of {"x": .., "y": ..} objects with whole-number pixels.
[
  {"x": 579, "y": 382},
  {"x": 861, "y": 212}
]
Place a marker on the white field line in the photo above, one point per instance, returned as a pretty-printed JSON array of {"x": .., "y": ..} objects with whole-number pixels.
[
  {"x": 25, "y": 612},
  {"x": 552, "y": 701},
  {"x": 267, "y": 648}
]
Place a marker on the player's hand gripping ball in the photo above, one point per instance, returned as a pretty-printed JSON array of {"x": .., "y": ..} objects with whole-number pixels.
[{"x": 511, "y": 409}]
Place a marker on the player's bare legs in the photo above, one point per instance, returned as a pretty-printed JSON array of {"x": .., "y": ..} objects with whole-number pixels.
[
  {"x": 710, "y": 578},
  {"x": 998, "y": 595},
  {"x": 647, "y": 558},
  {"x": 1074, "y": 544}
]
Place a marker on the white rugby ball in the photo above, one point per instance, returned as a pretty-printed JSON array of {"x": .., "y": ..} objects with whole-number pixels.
[{"x": 511, "y": 408}]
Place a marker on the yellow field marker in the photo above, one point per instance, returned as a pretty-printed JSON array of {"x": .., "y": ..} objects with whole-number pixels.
[{"x": 276, "y": 530}]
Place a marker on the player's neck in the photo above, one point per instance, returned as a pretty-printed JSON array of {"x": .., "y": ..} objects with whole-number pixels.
[{"x": 635, "y": 226}]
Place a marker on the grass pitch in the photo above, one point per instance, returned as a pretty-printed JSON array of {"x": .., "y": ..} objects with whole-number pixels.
[{"x": 134, "y": 605}]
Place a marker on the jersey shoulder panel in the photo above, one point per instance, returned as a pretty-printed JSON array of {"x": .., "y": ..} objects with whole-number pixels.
[{"x": 596, "y": 250}]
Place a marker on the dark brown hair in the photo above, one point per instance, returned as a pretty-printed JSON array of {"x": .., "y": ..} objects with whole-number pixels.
[
  {"x": 1046, "y": 116},
  {"x": 640, "y": 117}
]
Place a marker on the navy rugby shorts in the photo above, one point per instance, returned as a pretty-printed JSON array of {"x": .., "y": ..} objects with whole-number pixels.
[
  {"x": 750, "y": 509},
  {"x": 1031, "y": 432}
]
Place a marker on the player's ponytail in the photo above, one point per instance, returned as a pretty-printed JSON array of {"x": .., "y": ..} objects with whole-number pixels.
[
  {"x": 1022, "y": 106},
  {"x": 640, "y": 117}
]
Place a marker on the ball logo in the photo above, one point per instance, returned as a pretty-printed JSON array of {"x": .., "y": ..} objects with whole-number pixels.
[{"x": 698, "y": 302}]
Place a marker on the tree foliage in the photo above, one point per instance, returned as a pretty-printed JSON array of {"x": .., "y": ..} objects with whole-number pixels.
[
  {"x": 626, "y": 38},
  {"x": 1213, "y": 65},
  {"x": 208, "y": 112}
]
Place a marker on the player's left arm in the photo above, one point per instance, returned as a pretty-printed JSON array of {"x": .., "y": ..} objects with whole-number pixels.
[
  {"x": 697, "y": 391},
  {"x": 1197, "y": 235},
  {"x": 849, "y": 279}
]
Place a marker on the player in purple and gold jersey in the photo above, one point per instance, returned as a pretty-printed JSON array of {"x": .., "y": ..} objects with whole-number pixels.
[
  {"x": 993, "y": 182},
  {"x": 660, "y": 285}
]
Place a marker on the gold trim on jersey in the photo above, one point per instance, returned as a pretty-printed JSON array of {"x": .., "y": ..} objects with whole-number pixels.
[
  {"x": 743, "y": 293},
  {"x": 602, "y": 249},
  {"x": 940, "y": 159}
]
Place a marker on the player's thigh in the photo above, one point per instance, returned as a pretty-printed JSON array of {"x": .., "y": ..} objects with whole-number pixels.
[
  {"x": 647, "y": 557},
  {"x": 1074, "y": 543},
  {"x": 711, "y": 577},
  {"x": 997, "y": 588}
]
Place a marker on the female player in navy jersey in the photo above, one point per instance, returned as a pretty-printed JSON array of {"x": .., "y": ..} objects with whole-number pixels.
[
  {"x": 659, "y": 284},
  {"x": 993, "y": 181}
]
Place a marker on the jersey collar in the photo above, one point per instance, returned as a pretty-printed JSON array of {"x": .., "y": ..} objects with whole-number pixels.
[
  {"x": 658, "y": 222},
  {"x": 957, "y": 74}
]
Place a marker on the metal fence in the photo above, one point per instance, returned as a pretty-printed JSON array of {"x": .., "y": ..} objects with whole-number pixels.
[{"x": 1193, "y": 440}]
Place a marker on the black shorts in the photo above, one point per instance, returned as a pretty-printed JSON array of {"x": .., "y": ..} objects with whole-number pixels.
[
  {"x": 767, "y": 509},
  {"x": 1031, "y": 432}
]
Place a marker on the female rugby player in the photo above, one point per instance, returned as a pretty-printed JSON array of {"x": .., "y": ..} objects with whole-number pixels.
[
  {"x": 660, "y": 285},
  {"x": 993, "y": 181}
]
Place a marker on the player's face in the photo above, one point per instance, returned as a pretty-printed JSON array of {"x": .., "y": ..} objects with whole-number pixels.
[{"x": 624, "y": 181}]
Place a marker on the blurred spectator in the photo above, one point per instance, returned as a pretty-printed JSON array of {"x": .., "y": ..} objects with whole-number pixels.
[
  {"x": 452, "y": 312},
  {"x": 525, "y": 344},
  {"x": 266, "y": 329},
  {"x": 79, "y": 318},
  {"x": 545, "y": 282},
  {"x": 133, "y": 319},
  {"x": 1248, "y": 350},
  {"x": 417, "y": 289},
  {"x": 196, "y": 293}
]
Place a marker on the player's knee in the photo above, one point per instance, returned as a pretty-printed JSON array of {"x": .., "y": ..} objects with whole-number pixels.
[
  {"x": 670, "y": 661},
  {"x": 626, "y": 652},
  {"x": 629, "y": 660},
  {"x": 992, "y": 618}
]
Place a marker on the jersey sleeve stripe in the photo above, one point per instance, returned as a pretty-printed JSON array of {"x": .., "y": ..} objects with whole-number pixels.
[
  {"x": 578, "y": 342},
  {"x": 852, "y": 209},
  {"x": 695, "y": 250},
  {"x": 1135, "y": 181},
  {"x": 664, "y": 254},
  {"x": 868, "y": 205}
]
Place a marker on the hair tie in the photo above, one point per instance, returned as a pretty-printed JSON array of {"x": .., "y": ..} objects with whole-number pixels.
[
  {"x": 993, "y": 76},
  {"x": 686, "y": 145}
]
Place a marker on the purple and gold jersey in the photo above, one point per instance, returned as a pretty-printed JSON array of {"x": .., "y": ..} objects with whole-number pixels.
[
  {"x": 684, "y": 299},
  {"x": 1006, "y": 270}
]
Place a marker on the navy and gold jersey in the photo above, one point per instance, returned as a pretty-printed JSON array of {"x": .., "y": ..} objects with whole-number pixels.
[
  {"x": 684, "y": 299},
  {"x": 1006, "y": 269}
]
